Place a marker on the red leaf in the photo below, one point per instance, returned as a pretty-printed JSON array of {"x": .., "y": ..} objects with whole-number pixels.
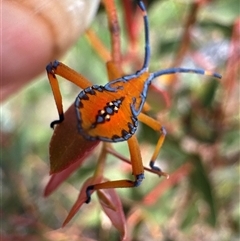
[
  {"x": 57, "y": 178},
  {"x": 67, "y": 146},
  {"x": 112, "y": 206},
  {"x": 81, "y": 198},
  {"x": 105, "y": 201}
]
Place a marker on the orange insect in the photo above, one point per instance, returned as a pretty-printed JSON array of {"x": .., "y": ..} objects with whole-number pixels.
[{"x": 111, "y": 113}]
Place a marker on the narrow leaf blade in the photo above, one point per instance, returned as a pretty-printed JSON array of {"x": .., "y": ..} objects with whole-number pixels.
[
  {"x": 82, "y": 197},
  {"x": 112, "y": 206}
]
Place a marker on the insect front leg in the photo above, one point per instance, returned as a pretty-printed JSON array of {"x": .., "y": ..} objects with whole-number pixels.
[
  {"x": 155, "y": 125},
  {"x": 137, "y": 169},
  {"x": 58, "y": 68}
]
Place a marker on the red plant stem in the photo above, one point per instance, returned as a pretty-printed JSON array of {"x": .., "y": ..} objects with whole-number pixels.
[
  {"x": 114, "y": 30},
  {"x": 124, "y": 159},
  {"x": 153, "y": 196}
]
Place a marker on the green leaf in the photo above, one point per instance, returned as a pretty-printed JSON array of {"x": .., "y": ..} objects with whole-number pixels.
[{"x": 200, "y": 181}]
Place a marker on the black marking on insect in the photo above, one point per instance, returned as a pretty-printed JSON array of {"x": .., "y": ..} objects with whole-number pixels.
[{"x": 110, "y": 109}]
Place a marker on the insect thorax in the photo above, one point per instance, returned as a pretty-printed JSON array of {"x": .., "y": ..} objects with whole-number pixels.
[{"x": 109, "y": 112}]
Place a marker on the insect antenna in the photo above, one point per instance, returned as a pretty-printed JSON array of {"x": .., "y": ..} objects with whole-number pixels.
[
  {"x": 146, "y": 36},
  {"x": 186, "y": 70},
  {"x": 148, "y": 53}
]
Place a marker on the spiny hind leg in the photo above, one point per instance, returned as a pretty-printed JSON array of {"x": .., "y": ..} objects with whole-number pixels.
[{"x": 137, "y": 169}]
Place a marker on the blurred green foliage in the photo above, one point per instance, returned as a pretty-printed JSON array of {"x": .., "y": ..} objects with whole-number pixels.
[{"x": 202, "y": 131}]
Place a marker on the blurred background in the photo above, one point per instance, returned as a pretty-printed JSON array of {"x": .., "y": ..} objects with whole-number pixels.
[{"x": 200, "y": 201}]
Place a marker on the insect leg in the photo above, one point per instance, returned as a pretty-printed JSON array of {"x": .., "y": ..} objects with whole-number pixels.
[
  {"x": 155, "y": 125},
  {"x": 137, "y": 168},
  {"x": 58, "y": 68}
]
